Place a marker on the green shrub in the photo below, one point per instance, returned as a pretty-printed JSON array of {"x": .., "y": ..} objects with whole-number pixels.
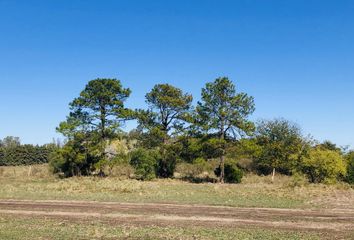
[
  {"x": 350, "y": 168},
  {"x": 73, "y": 159},
  {"x": 166, "y": 162},
  {"x": 145, "y": 162},
  {"x": 322, "y": 165},
  {"x": 2, "y": 157},
  {"x": 232, "y": 173}
]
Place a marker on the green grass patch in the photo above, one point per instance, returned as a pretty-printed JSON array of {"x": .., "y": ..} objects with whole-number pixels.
[{"x": 28, "y": 228}]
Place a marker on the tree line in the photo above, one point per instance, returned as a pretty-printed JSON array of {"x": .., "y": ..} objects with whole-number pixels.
[
  {"x": 13, "y": 153},
  {"x": 172, "y": 132}
]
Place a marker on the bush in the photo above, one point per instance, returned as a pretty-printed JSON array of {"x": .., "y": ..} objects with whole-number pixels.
[
  {"x": 145, "y": 162},
  {"x": 350, "y": 168},
  {"x": 232, "y": 173},
  {"x": 198, "y": 168},
  {"x": 2, "y": 157},
  {"x": 323, "y": 165},
  {"x": 74, "y": 159},
  {"x": 166, "y": 162}
]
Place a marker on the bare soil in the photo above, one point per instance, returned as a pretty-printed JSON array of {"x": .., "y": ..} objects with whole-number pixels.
[{"x": 335, "y": 222}]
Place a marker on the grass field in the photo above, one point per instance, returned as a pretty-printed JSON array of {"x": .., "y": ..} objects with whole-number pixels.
[
  {"x": 35, "y": 183},
  {"x": 27, "y": 228},
  {"x": 255, "y": 191}
]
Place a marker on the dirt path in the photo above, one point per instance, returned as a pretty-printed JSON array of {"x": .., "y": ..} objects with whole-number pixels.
[{"x": 334, "y": 220}]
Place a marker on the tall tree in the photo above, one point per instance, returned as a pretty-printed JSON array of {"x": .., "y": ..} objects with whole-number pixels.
[
  {"x": 224, "y": 112},
  {"x": 95, "y": 117},
  {"x": 168, "y": 110}
]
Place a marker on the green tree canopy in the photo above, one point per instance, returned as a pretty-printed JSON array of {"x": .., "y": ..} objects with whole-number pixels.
[
  {"x": 99, "y": 109},
  {"x": 281, "y": 144},
  {"x": 224, "y": 113},
  {"x": 95, "y": 117},
  {"x": 168, "y": 110},
  {"x": 329, "y": 146}
]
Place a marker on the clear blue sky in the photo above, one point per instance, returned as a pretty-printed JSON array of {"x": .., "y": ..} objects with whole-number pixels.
[{"x": 295, "y": 57}]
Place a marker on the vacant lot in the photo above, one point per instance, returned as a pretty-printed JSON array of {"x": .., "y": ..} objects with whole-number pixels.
[{"x": 35, "y": 205}]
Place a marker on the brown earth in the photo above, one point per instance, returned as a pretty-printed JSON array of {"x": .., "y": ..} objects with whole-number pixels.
[{"x": 332, "y": 221}]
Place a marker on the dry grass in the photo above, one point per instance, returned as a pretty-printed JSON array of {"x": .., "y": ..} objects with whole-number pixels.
[
  {"x": 37, "y": 183},
  {"x": 254, "y": 191},
  {"x": 24, "y": 172}
]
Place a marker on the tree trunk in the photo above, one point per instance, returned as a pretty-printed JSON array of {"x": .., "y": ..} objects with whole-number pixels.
[
  {"x": 103, "y": 130},
  {"x": 222, "y": 168},
  {"x": 222, "y": 157},
  {"x": 273, "y": 175}
]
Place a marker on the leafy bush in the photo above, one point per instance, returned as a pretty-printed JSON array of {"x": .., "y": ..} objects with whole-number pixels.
[
  {"x": 232, "y": 173},
  {"x": 145, "y": 162},
  {"x": 322, "y": 165},
  {"x": 74, "y": 159},
  {"x": 350, "y": 168},
  {"x": 166, "y": 162}
]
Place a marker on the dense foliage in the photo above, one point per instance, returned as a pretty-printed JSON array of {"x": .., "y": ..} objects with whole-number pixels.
[
  {"x": 224, "y": 113},
  {"x": 281, "y": 146},
  {"x": 95, "y": 119},
  {"x": 350, "y": 168},
  {"x": 323, "y": 165},
  {"x": 12, "y": 152},
  {"x": 145, "y": 163},
  {"x": 232, "y": 173},
  {"x": 213, "y": 141}
]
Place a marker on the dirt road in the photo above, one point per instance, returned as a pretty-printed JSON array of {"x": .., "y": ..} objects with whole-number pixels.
[{"x": 329, "y": 220}]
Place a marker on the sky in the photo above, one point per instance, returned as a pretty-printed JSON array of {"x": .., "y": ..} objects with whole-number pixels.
[{"x": 295, "y": 57}]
